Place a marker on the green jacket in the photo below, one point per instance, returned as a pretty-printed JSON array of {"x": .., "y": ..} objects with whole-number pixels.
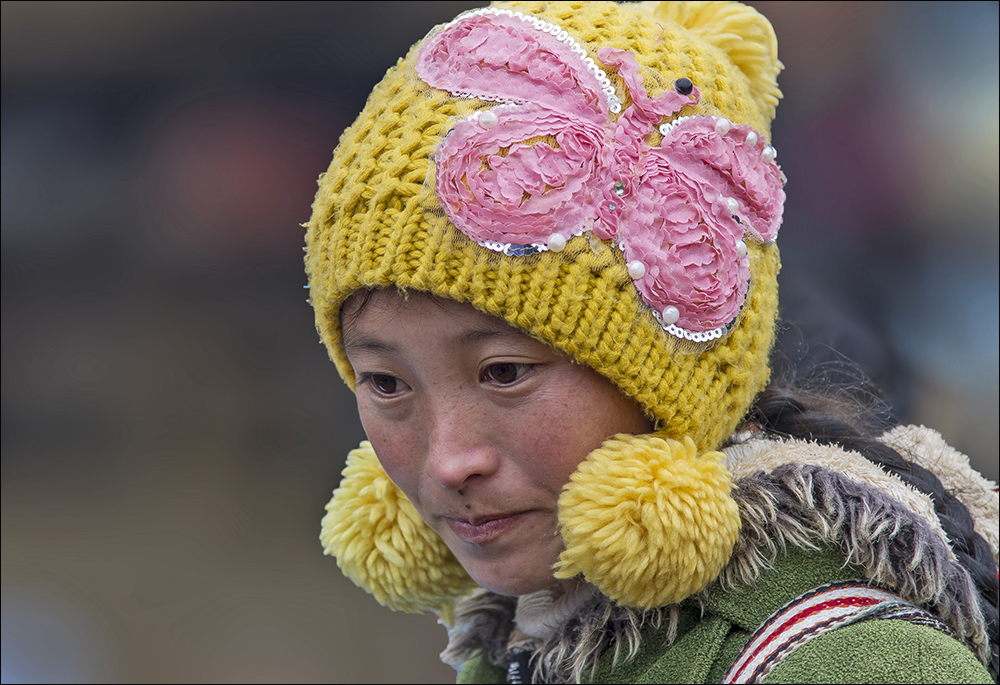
[
  {"x": 706, "y": 645},
  {"x": 811, "y": 515}
]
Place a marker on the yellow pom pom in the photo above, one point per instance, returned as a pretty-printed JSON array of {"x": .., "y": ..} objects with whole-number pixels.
[
  {"x": 647, "y": 521},
  {"x": 381, "y": 543}
]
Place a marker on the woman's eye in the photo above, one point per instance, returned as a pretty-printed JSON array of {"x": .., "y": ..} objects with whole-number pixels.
[
  {"x": 384, "y": 383},
  {"x": 504, "y": 373}
]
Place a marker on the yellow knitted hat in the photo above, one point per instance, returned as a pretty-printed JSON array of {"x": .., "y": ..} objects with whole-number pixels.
[{"x": 598, "y": 176}]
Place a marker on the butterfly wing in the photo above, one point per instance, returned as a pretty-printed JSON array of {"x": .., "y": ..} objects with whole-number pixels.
[
  {"x": 514, "y": 57},
  {"x": 735, "y": 158},
  {"x": 683, "y": 227},
  {"x": 529, "y": 174},
  {"x": 524, "y": 170}
]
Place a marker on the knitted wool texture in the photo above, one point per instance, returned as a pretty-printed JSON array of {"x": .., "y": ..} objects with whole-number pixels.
[
  {"x": 645, "y": 477},
  {"x": 374, "y": 225},
  {"x": 379, "y": 537}
]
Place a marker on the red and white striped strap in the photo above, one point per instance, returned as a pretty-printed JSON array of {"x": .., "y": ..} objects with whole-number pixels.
[{"x": 817, "y": 612}]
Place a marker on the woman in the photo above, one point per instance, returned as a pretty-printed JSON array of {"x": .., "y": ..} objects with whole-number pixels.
[{"x": 544, "y": 259}]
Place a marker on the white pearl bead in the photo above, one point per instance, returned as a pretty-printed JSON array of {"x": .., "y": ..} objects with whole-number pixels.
[
  {"x": 732, "y": 205},
  {"x": 769, "y": 154},
  {"x": 741, "y": 249},
  {"x": 722, "y": 126},
  {"x": 636, "y": 270},
  {"x": 556, "y": 242},
  {"x": 665, "y": 128},
  {"x": 670, "y": 315},
  {"x": 488, "y": 119},
  {"x": 751, "y": 138}
]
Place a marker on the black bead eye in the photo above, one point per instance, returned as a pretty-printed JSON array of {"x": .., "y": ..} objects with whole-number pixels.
[{"x": 683, "y": 86}]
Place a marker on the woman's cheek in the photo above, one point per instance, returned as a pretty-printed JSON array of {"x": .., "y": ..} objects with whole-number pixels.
[{"x": 394, "y": 449}]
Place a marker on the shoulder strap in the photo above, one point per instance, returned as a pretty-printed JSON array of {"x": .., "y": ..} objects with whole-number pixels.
[{"x": 814, "y": 613}]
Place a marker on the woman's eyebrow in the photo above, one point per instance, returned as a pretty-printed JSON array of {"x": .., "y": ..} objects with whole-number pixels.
[
  {"x": 361, "y": 343},
  {"x": 478, "y": 335},
  {"x": 358, "y": 343}
]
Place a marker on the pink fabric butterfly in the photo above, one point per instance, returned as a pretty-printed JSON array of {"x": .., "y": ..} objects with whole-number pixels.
[{"x": 551, "y": 162}]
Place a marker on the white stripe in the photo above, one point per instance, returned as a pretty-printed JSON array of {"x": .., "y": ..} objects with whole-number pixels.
[{"x": 778, "y": 623}]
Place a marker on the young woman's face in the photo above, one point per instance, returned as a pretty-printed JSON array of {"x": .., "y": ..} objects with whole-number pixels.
[{"x": 480, "y": 425}]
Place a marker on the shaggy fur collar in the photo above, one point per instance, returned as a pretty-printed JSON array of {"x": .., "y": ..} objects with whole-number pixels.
[{"x": 884, "y": 527}]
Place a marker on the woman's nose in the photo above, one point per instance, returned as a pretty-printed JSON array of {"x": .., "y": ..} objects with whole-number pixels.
[{"x": 461, "y": 449}]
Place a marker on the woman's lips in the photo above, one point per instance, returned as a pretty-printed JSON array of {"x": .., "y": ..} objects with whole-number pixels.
[{"x": 485, "y": 529}]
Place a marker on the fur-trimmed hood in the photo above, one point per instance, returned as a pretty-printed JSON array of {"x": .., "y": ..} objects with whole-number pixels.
[{"x": 791, "y": 494}]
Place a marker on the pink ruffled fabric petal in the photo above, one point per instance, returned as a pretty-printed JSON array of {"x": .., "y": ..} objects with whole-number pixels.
[
  {"x": 733, "y": 167},
  {"x": 688, "y": 244},
  {"x": 498, "y": 56},
  {"x": 494, "y": 186}
]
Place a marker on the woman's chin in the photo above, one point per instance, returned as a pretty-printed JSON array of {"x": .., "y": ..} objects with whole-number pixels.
[
  {"x": 513, "y": 580},
  {"x": 517, "y": 588}
]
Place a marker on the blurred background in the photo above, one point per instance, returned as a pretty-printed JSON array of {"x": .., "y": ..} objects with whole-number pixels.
[{"x": 171, "y": 426}]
